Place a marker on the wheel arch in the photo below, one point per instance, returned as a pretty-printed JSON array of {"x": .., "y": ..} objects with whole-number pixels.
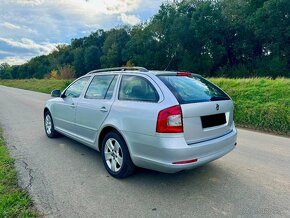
[
  {"x": 106, "y": 130},
  {"x": 45, "y": 110}
]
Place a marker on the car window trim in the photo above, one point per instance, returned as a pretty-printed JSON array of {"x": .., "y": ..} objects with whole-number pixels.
[{"x": 109, "y": 88}]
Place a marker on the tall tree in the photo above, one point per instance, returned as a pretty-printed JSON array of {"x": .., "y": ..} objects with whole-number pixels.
[
  {"x": 5, "y": 71},
  {"x": 271, "y": 25},
  {"x": 235, "y": 38},
  {"x": 92, "y": 56},
  {"x": 114, "y": 43},
  {"x": 79, "y": 61}
]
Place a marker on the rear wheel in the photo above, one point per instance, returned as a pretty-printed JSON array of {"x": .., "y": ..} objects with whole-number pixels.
[
  {"x": 49, "y": 126},
  {"x": 116, "y": 157}
]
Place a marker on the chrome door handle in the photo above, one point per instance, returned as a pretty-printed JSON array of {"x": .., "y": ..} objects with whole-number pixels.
[{"x": 103, "y": 109}]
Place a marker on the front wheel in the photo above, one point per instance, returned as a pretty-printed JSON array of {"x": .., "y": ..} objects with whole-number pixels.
[
  {"x": 49, "y": 126},
  {"x": 116, "y": 157}
]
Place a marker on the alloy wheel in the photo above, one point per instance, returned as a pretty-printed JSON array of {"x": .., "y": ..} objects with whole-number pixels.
[
  {"x": 113, "y": 155},
  {"x": 48, "y": 124}
]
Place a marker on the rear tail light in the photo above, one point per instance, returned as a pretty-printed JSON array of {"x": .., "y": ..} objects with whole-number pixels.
[{"x": 170, "y": 120}]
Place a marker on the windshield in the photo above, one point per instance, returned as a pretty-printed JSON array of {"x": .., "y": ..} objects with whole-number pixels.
[{"x": 192, "y": 89}]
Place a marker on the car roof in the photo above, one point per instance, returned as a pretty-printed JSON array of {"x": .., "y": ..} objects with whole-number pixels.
[
  {"x": 119, "y": 69},
  {"x": 136, "y": 70}
]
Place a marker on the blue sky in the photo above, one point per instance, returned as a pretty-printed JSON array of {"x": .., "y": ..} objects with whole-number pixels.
[{"x": 29, "y": 28}]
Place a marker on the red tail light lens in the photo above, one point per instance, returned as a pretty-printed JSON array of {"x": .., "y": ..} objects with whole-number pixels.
[{"x": 170, "y": 120}]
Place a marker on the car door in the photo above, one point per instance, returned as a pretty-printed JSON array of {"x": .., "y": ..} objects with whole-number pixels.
[
  {"x": 64, "y": 109},
  {"x": 137, "y": 105},
  {"x": 93, "y": 108}
]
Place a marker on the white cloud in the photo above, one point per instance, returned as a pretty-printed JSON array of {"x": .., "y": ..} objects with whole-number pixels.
[
  {"x": 15, "y": 27},
  {"x": 10, "y": 25},
  {"x": 121, "y": 6},
  {"x": 35, "y": 27},
  {"x": 30, "y": 2},
  {"x": 15, "y": 60},
  {"x": 29, "y": 44},
  {"x": 129, "y": 19}
]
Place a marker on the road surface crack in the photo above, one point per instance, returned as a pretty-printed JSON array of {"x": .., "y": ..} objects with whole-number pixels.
[{"x": 29, "y": 171}]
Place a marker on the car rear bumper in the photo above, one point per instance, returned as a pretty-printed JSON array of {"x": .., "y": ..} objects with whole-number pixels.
[{"x": 160, "y": 154}]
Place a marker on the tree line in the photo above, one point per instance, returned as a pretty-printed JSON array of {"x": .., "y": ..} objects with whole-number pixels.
[{"x": 232, "y": 38}]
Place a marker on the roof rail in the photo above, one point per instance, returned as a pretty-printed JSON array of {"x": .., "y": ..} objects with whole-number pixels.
[{"x": 141, "y": 69}]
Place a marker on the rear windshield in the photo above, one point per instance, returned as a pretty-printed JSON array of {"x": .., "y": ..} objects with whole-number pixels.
[{"x": 192, "y": 89}]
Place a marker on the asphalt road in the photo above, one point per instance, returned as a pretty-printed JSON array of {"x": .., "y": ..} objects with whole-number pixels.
[{"x": 67, "y": 179}]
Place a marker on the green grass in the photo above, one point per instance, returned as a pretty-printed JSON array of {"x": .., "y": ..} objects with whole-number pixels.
[
  {"x": 260, "y": 103},
  {"x": 14, "y": 202},
  {"x": 39, "y": 85}
]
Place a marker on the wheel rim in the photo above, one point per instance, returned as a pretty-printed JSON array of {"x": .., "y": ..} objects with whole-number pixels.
[
  {"x": 48, "y": 124},
  {"x": 113, "y": 155}
]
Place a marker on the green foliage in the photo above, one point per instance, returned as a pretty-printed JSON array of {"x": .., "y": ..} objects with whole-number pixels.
[
  {"x": 14, "y": 202},
  {"x": 91, "y": 60},
  {"x": 129, "y": 64},
  {"x": 44, "y": 85},
  {"x": 5, "y": 71},
  {"x": 260, "y": 103},
  {"x": 112, "y": 49},
  {"x": 53, "y": 75},
  {"x": 79, "y": 61},
  {"x": 232, "y": 38}
]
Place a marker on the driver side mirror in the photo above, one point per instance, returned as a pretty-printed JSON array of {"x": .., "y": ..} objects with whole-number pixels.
[{"x": 56, "y": 93}]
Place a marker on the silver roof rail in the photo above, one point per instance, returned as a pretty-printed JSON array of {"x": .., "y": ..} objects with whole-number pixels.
[{"x": 141, "y": 69}]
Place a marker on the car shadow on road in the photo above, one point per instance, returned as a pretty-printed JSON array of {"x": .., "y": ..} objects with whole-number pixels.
[{"x": 211, "y": 172}]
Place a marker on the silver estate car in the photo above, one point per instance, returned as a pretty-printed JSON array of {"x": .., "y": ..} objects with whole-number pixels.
[{"x": 159, "y": 120}]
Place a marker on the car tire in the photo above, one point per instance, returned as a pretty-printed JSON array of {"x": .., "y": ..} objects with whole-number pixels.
[
  {"x": 49, "y": 126},
  {"x": 116, "y": 156}
]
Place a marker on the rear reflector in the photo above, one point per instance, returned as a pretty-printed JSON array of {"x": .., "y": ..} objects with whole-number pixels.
[
  {"x": 183, "y": 74},
  {"x": 185, "y": 161}
]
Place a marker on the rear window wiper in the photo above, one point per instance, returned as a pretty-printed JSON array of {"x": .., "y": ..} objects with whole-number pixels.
[{"x": 219, "y": 98}]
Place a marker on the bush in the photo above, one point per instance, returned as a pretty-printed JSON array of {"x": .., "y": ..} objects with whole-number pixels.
[{"x": 67, "y": 72}]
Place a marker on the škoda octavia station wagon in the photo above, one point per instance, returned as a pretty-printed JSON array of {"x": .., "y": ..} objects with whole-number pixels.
[{"x": 159, "y": 120}]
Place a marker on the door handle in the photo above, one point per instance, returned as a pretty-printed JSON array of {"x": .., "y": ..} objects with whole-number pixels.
[
  {"x": 72, "y": 105},
  {"x": 103, "y": 109}
]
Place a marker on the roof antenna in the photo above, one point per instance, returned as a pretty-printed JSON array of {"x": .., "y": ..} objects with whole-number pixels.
[{"x": 170, "y": 61}]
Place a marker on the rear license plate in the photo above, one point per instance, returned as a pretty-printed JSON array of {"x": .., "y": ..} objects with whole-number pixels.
[{"x": 213, "y": 120}]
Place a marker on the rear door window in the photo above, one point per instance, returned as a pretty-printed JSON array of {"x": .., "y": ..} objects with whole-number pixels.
[
  {"x": 192, "y": 89},
  {"x": 101, "y": 87},
  {"x": 137, "y": 88}
]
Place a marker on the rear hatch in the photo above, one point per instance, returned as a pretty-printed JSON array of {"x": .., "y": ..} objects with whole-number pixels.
[{"x": 207, "y": 110}]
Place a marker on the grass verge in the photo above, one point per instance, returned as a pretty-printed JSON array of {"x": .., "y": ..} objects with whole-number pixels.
[
  {"x": 14, "y": 202},
  {"x": 39, "y": 85},
  {"x": 260, "y": 103}
]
